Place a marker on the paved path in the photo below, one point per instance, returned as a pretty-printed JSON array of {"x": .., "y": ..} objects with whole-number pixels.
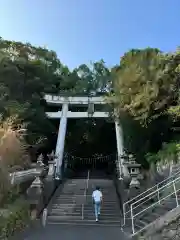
[{"x": 68, "y": 232}]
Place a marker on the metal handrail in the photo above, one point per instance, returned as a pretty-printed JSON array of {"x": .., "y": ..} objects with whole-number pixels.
[
  {"x": 174, "y": 192},
  {"x": 85, "y": 194},
  {"x": 145, "y": 192},
  {"x": 152, "y": 193},
  {"x": 87, "y": 182},
  {"x": 82, "y": 207}
]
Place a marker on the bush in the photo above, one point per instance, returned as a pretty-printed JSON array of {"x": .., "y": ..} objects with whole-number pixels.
[
  {"x": 5, "y": 184},
  {"x": 13, "y": 149},
  {"x": 13, "y": 157},
  {"x": 17, "y": 219},
  {"x": 166, "y": 155}
]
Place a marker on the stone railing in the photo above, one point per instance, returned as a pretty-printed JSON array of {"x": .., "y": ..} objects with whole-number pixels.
[
  {"x": 42, "y": 189},
  {"x": 22, "y": 176},
  {"x": 42, "y": 185}
]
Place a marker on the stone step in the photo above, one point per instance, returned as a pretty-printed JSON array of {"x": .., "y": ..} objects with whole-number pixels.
[
  {"x": 89, "y": 223},
  {"x": 66, "y": 217},
  {"x": 108, "y": 201},
  {"x": 71, "y": 184},
  {"x": 90, "y": 210},
  {"x": 86, "y": 216},
  {"x": 108, "y": 211},
  {"x": 62, "y": 214},
  {"x": 79, "y": 207},
  {"x": 69, "y": 200},
  {"x": 109, "y": 197},
  {"x": 104, "y": 206},
  {"x": 101, "y": 185},
  {"x": 104, "y": 190},
  {"x": 75, "y": 205},
  {"x": 103, "y": 216},
  {"x": 68, "y": 197},
  {"x": 71, "y": 193},
  {"x": 80, "y": 221},
  {"x": 105, "y": 202},
  {"x": 64, "y": 204}
]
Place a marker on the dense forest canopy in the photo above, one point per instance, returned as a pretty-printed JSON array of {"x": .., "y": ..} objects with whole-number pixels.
[{"x": 144, "y": 87}]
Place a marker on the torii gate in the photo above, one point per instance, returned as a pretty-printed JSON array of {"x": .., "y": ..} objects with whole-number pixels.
[{"x": 64, "y": 102}]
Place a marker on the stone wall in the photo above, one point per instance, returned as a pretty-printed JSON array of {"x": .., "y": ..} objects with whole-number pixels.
[
  {"x": 170, "y": 232},
  {"x": 40, "y": 195},
  {"x": 164, "y": 228}
]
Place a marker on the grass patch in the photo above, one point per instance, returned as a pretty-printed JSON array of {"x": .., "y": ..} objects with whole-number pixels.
[{"x": 14, "y": 218}]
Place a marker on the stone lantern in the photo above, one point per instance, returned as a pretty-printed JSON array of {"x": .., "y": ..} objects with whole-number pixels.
[
  {"x": 51, "y": 156},
  {"x": 57, "y": 169},
  {"x": 36, "y": 188},
  {"x": 65, "y": 161},
  {"x": 125, "y": 171},
  {"x": 40, "y": 160},
  {"x": 134, "y": 171},
  {"x": 52, "y": 164}
]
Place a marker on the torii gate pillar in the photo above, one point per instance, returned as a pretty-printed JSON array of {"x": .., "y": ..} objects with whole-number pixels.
[
  {"x": 61, "y": 140},
  {"x": 123, "y": 171}
]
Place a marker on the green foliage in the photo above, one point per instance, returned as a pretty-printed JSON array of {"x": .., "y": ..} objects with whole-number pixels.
[
  {"x": 15, "y": 219},
  {"x": 144, "y": 88},
  {"x": 168, "y": 153},
  {"x": 13, "y": 150},
  {"x": 4, "y": 184},
  {"x": 93, "y": 79},
  {"x": 10, "y": 195},
  {"x": 135, "y": 136},
  {"x": 143, "y": 85},
  {"x": 27, "y": 72},
  {"x": 152, "y": 158}
]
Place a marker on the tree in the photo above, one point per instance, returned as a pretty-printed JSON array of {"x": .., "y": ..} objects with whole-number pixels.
[
  {"x": 142, "y": 86},
  {"x": 27, "y": 72},
  {"x": 94, "y": 79},
  {"x": 145, "y": 86}
]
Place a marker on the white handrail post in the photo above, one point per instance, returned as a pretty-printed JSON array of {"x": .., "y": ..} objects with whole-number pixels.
[
  {"x": 158, "y": 195},
  {"x": 124, "y": 214},
  {"x": 132, "y": 219},
  {"x": 175, "y": 192},
  {"x": 87, "y": 184},
  {"x": 44, "y": 217},
  {"x": 84, "y": 197},
  {"x": 85, "y": 193},
  {"x": 82, "y": 211},
  {"x": 13, "y": 178}
]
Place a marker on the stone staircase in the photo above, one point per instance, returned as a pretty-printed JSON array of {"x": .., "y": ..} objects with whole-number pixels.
[
  {"x": 66, "y": 205},
  {"x": 72, "y": 204},
  {"x": 110, "y": 211}
]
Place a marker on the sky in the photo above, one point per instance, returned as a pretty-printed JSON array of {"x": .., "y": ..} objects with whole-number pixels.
[{"x": 81, "y": 31}]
